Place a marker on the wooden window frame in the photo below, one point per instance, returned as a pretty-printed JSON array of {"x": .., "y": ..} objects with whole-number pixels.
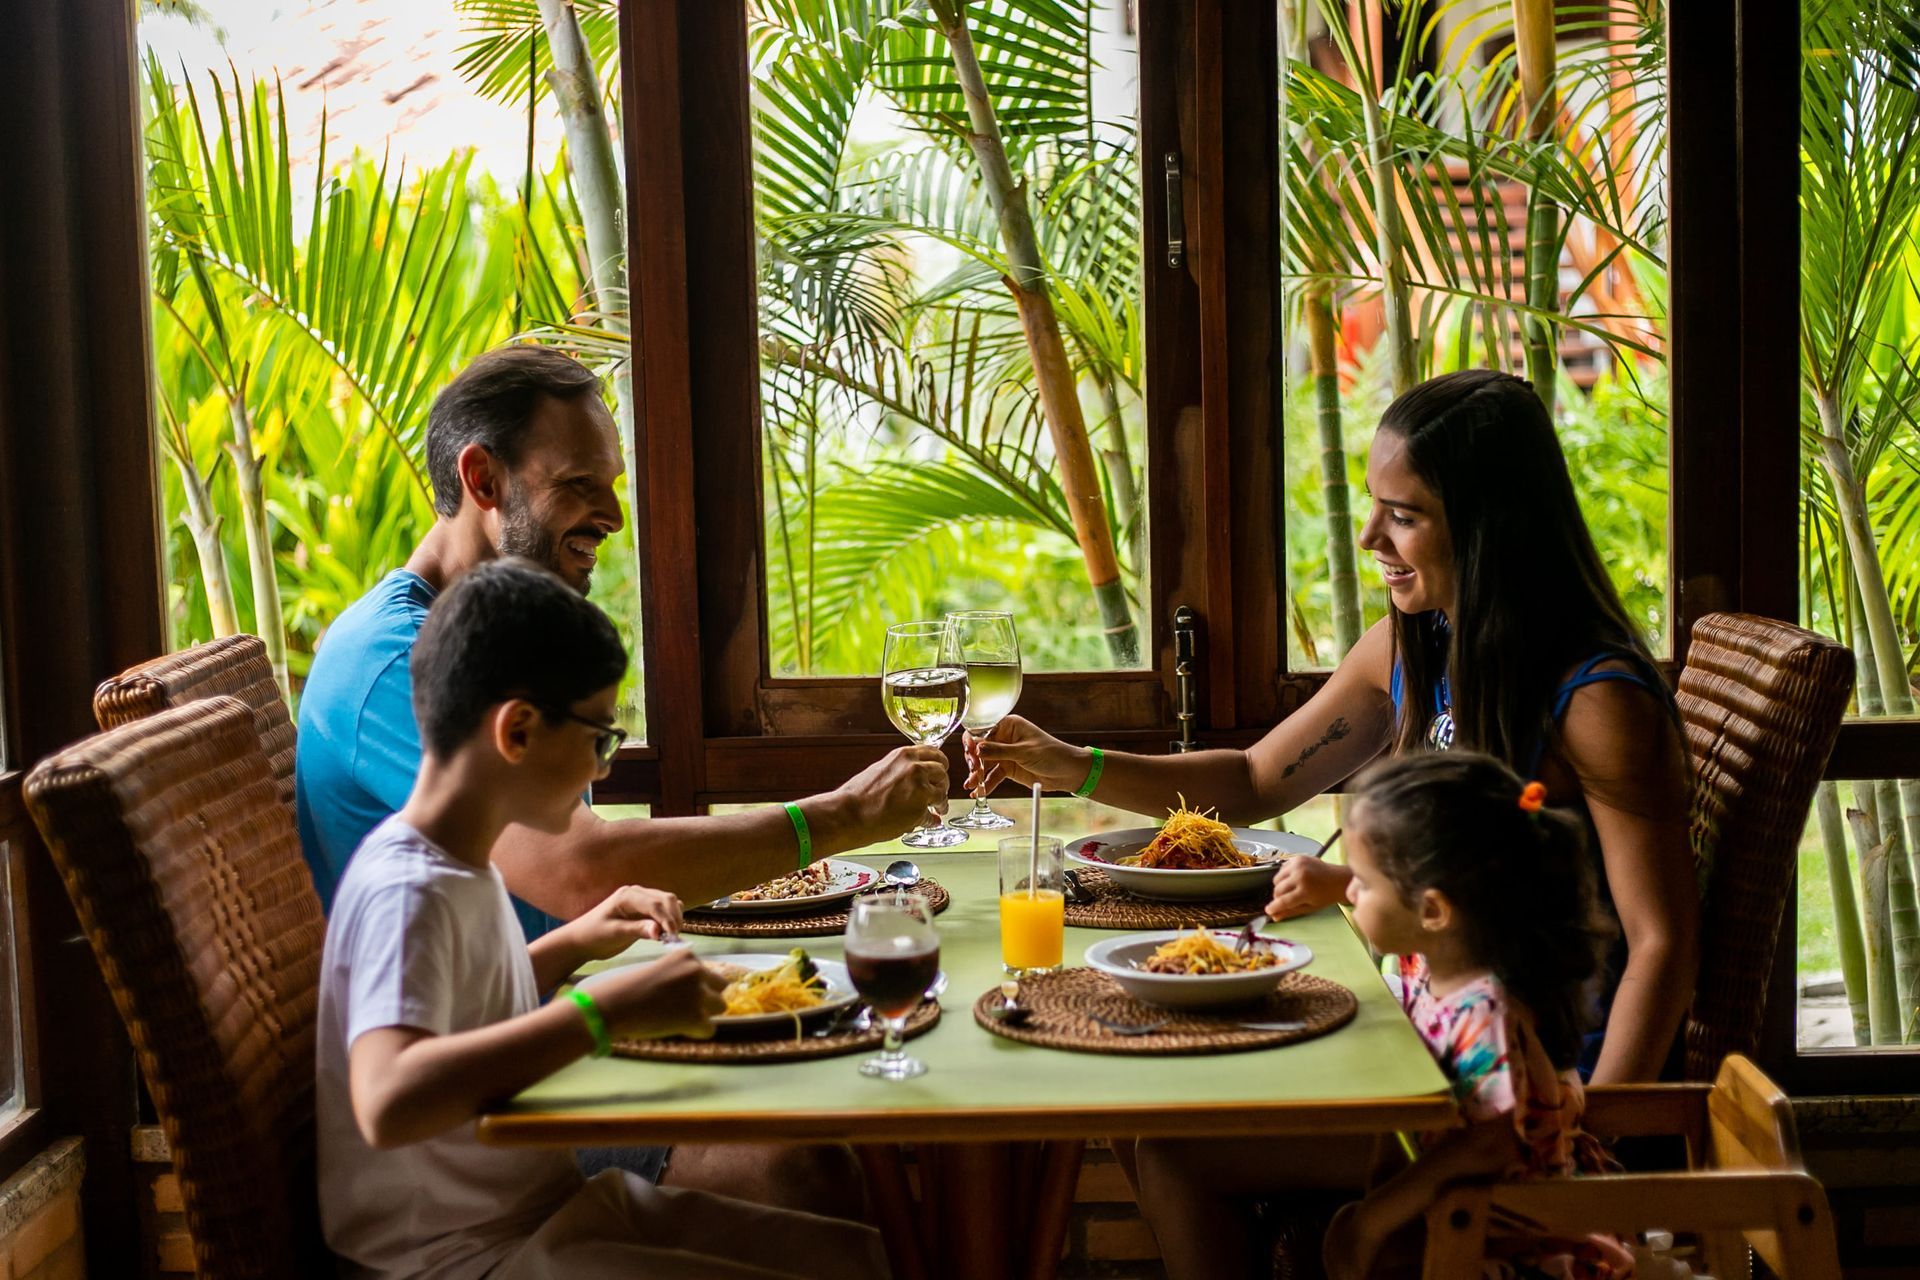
[{"x": 1211, "y": 439}]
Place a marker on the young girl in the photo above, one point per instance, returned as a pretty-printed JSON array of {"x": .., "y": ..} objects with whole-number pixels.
[{"x": 1486, "y": 898}]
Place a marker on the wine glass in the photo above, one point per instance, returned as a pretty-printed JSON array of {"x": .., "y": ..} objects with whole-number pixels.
[
  {"x": 893, "y": 957},
  {"x": 923, "y": 685},
  {"x": 990, "y": 648}
]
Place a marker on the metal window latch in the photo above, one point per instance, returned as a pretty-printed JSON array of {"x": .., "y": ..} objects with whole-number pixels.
[
  {"x": 1186, "y": 677},
  {"x": 1176, "y": 213}
]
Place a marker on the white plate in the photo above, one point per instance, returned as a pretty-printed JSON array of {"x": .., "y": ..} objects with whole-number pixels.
[
  {"x": 1267, "y": 848},
  {"x": 1116, "y": 957},
  {"x": 848, "y": 878},
  {"x": 840, "y": 990}
]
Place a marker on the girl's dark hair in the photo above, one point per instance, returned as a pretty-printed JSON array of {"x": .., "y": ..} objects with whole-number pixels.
[
  {"x": 1532, "y": 597},
  {"x": 508, "y": 629},
  {"x": 1521, "y": 882}
]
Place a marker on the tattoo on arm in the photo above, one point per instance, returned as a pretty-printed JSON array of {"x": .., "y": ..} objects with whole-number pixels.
[{"x": 1335, "y": 731}]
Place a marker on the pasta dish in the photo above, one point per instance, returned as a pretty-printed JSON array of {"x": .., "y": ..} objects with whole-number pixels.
[
  {"x": 1200, "y": 952},
  {"x": 810, "y": 881},
  {"x": 785, "y": 988},
  {"x": 1190, "y": 841}
]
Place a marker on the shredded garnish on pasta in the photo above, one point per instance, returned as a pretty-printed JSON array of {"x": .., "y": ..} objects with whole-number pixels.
[
  {"x": 1201, "y": 952},
  {"x": 811, "y": 880},
  {"x": 785, "y": 988},
  {"x": 1190, "y": 841}
]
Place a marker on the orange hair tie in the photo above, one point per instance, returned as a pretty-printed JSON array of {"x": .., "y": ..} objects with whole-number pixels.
[{"x": 1533, "y": 796}]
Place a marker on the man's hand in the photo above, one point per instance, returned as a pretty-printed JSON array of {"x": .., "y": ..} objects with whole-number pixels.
[
  {"x": 675, "y": 995},
  {"x": 890, "y": 795},
  {"x": 1018, "y": 751},
  {"x": 1350, "y": 1246},
  {"x": 627, "y": 915},
  {"x": 1304, "y": 884}
]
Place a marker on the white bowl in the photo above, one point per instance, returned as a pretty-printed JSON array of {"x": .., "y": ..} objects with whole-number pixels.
[
  {"x": 1267, "y": 848},
  {"x": 1116, "y": 957}
]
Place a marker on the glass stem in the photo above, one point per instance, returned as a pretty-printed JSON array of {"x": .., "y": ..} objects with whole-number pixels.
[{"x": 892, "y": 1042}]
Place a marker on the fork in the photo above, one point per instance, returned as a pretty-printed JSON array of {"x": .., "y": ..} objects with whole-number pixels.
[{"x": 1129, "y": 1028}]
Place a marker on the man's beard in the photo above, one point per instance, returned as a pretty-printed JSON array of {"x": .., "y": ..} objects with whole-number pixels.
[{"x": 521, "y": 535}]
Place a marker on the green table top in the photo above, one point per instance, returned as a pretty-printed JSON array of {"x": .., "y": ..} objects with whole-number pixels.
[{"x": 1372, "y": 1075}]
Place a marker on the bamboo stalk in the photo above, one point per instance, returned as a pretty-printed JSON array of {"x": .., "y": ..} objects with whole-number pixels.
[
  {"x": 1847, "y": 929},
  {"x": 203, "y": 522},
  {"x": 1883, "y": 1001},
  {"x": 1053, "y": 373},
  {"x": 1535, "y": 51},
  {"x": 596, "y": 185},
  {"x": 1883, "y": 690},
  {"x": 1117, "y": 458},
  {"x": 1343, "y": 569},
  {"x": 250, "y": 484}
]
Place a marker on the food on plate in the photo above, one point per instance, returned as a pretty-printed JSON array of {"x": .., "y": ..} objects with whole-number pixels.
[
  {"x": 809, "y": 881},
  {"x": 785, "y": 988},
  {"x": 1190, "y": 841},
  {"x": 1202, "y": 952}
]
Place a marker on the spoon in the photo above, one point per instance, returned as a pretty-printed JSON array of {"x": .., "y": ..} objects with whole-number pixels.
[
  {"x": 902, "y": 873},
  {"x": 1010, "y": 1010}
]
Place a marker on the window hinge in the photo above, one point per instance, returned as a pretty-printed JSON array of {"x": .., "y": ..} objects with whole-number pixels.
[
  {"x": 1186, "y": 677},
  {"x": 1176, "y": 213}
]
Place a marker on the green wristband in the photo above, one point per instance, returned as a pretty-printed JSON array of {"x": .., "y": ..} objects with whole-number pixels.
[
  {"x": 1093, "y": 774},
  {"x": 596, "y": 1025},
  {"x": 800, "y": 830}
]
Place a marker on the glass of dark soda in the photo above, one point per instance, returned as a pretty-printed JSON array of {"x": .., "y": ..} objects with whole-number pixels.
[{"x": 893, "y": 957}]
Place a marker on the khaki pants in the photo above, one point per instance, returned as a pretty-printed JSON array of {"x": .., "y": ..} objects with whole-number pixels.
[{"x": 618, "y": 1225}]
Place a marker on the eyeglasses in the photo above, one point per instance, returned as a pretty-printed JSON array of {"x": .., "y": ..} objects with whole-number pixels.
[{"x": 606, "y": 743}]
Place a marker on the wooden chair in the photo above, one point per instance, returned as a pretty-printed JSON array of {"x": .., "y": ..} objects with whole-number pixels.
[
  {"x": 185, "y": 872},
  {"x": 235, "y": 666},
  {"x": 1744, "y": 1187},
  {"x": 1761, "y": 702}
]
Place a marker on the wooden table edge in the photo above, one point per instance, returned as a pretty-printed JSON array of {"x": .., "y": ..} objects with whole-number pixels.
[{"x": 987, "y": 1124}]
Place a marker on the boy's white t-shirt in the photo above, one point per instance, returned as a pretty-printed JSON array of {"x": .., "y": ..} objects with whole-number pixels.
[{"x": 420, "y": 939}]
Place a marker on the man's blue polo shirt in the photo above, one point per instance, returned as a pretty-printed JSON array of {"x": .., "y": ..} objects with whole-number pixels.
[{"x": 359, "y": 747}]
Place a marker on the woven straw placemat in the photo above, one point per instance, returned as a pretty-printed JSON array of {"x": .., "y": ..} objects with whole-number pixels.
[
  {"x": 1064, "y": 1003},
  {"x": 1114, "y": 908},
  {"x": 813, "y": 924},
  {"x": 774, "y": 1045}
]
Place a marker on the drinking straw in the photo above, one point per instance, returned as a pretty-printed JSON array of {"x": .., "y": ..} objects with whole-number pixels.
[{"x": 1033, "y": 855}]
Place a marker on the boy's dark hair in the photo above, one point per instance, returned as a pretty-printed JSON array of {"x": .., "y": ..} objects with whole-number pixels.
[
  {"x": 1521, "y": 882},
  {"x": 508, "y": 629},
  {"x": 490, "y": 404}
]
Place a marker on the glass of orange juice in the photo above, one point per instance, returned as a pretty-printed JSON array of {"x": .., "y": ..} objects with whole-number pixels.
[{"x": 1033, "y": 904}]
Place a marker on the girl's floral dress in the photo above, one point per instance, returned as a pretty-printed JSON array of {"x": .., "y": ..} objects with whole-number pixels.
[{"x": 1485, "y": 1043}]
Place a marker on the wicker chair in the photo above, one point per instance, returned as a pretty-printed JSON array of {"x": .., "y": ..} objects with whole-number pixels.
[
  {"x": 185, "y": 873},
  {"x": 1744, "y": 1186},
  {"x": 1761, "y": 701},
  {"x": 235, "y": 666}
]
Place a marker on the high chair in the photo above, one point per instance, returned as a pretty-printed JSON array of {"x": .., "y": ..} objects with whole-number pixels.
[{"x": 1744, "y": 1187}]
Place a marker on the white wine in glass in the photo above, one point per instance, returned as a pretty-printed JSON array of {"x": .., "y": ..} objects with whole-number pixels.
[
  {"x": 923, "y": 687},
  {"x": 990, "y": 648}
]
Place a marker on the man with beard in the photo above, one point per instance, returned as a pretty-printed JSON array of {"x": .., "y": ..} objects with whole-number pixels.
[{"x": 524, "y": 460}]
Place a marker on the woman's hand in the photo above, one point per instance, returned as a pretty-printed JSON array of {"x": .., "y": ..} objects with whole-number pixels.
[
  {"x": 1304, "y": 884},
  {"x": 1016, "y": 751},
  {"x": 675, "y": 995}
]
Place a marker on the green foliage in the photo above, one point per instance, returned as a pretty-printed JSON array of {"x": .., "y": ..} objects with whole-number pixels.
[
  {"x": 337, "y": 306},
  {"x": 908, "y": 469}
]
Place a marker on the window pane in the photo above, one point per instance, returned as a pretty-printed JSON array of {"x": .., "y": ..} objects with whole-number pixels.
[
  {"x": 417, "y": 209},
  {"x": 914, "y": 462},
  {"x": 1495, "y": 234},
  {"x": 1860, "y": 485},
  {"x": 1859, "y": 921},
  {"x": 11, "y": 1074}
]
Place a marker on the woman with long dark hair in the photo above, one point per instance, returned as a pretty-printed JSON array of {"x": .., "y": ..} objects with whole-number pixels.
[{"x": 1506, "y": 636}]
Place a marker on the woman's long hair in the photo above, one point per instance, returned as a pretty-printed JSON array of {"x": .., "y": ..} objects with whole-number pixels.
[
  {"x": 1532, "y": 597},
  {"x": 1521, "y": 883}
]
